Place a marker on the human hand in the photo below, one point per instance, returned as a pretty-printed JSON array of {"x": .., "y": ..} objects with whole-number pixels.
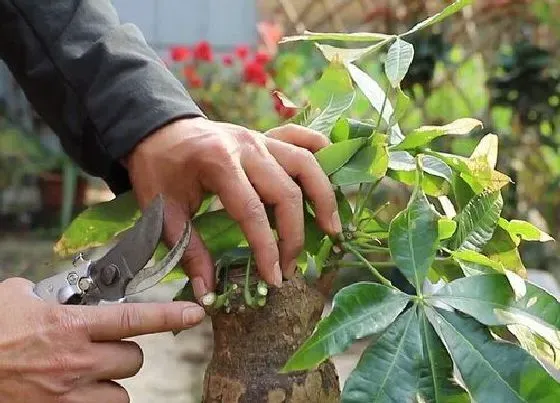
[
  {"x": 65, "y": 354},
  {"x": 189, "y": 157}
]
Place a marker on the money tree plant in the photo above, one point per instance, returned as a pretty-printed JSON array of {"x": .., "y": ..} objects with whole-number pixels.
[{"x": 458, "y": 321}]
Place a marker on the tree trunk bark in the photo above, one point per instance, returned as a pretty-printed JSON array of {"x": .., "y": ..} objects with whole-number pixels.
[{"x": 251, "y": 345}]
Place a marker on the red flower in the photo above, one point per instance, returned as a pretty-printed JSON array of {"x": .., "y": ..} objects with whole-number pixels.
[
  {"x": 203, "y": 51},
  {"x": 242, "y": 52},
  {"x": 192, "y": 77},
  {"x": 282, "y": 110},
  {"x": 262, "y": 57},
  {"x": 195, "y": 82},
  {"x": 227, "y": 60},
  {"x": 179, "y": 53},
  {"x": 255, "y": 73}
]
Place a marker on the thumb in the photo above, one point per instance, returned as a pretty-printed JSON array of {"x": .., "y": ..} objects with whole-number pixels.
[
  {"x": 196, "y": 261},
  {"x": 119, "y": 321}
]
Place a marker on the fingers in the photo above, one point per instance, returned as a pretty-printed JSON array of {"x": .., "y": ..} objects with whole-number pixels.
[
  {"x": 117, "y": 360},
  {"x": 300, "y": 163},
  {"x": 276, "y": 188},
  {"x": 244, "y": 205},
  {"x": 105, "y": 391},
  {"x": 116, "y": 322},
  {"x": 197, "y": 259},
  {"x": 299, "y": 136}
]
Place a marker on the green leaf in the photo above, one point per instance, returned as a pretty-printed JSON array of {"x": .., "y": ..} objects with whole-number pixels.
[
  {"x": 328, "y": 117},
  {"x": 336, "y": 155},
  {"x": 358, "y": 310},
  {"x": 436, "y": 172},
  {"x": 431, "y": 185},
  {"x": 313, "y": 234},
  {"x": 502, "y": 248},
  {"x": 367, "y": 166},
  {"x": 465, "y": 255},
  {"x": 446, "y": 12},
  {"x": 462, "y": 191},
  {"x": 401, "y": 107},
  {"x": 334, "y": 54},
  {"x": 492, "y": 370},
  {"x": 346, "y": 128},
  {"x": 478, "y": 170},
  {"x": 446, "y": 270},
  {"x": 323, "y": 254},
  {"x": 436, "y": 381},
  {"x": 399, "y": 58},
  {"x": 476, "y": 223},
  {"x": 525, "y": 231},
  {"x": 335, "y": 84},
  {"x": 490, "y": 299},
  {"x": 404, "y": 161},
  {"x": 218, "y": 231},
  {"x": 387, "y": 370},
  {"x": 446, "y": 228},
  {"x": 413, "y": 238},
  {"x": 340, "y": 130},
  {"x": 537, "y": 346},
  {"x": 98, "y": 224},
  {"x": 372, "y": 225},
  {"x": 344, "y": 208},
  {"x": 326, "y": 36},
  {"x": 376, "y": 96},
  {"x": 425, "y": 134}
]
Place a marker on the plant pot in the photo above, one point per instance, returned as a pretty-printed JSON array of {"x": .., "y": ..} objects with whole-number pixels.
[
  {"x": 51, "y": 190},
  {"x": 251, "y": 345}
]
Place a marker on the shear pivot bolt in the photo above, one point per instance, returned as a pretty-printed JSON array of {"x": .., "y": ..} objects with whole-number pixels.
[
  {"x": 84, "y": 283},
  {"x": 72, "y": 278}
]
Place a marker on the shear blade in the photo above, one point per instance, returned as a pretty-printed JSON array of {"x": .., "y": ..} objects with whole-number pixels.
[
  {"x": 138, "y": 243},
  {"x": 150, "y": 276}
]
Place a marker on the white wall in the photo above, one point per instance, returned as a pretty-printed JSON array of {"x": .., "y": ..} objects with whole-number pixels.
[{"x": 224, "y": 23}]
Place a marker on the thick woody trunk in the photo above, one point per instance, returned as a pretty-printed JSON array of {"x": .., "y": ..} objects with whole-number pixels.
[{"x": 251, "y": 345}]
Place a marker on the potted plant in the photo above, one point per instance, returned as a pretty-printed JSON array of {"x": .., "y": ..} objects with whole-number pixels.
[{"x": 450, "y": 311}]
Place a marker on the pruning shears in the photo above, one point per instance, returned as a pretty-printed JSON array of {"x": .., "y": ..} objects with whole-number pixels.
[{"x": 122, "y": 271}]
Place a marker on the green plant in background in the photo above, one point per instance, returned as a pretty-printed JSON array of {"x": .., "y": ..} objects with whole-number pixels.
[
  {"x": 20, "y": 155},
  {"x": 459, "y": 321}
]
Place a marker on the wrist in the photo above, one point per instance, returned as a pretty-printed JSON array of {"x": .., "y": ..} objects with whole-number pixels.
[{"x": 139, "y": 148}]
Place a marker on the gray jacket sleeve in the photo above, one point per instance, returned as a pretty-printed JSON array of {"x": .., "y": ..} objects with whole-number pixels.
[{"x": 94, "y": 80}]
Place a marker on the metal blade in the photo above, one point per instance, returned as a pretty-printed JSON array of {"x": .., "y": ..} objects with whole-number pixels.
[
  {"x": 150, "y": 276},
  {"x": 138, "y": 243}
]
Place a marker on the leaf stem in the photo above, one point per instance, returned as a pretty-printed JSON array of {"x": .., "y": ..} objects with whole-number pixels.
[{"x": 373, "y": 270}]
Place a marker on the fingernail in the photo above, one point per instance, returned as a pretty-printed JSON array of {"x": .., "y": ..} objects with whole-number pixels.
[
  {"x": 335, "y": 222},
  {"x": 192, "y": 314},
  {"x": 199, "y": 287},
  {"x": 277, "y": 275}
]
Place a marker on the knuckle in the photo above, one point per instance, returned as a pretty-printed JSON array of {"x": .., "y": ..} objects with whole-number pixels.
[
  {"x": 218, "y": 148},
  {"x": 254, "y": 210},
  {"x": 307, "y": 157},
  {"x": 293, "y": 195},
  {"x": 129, "y": 317}
]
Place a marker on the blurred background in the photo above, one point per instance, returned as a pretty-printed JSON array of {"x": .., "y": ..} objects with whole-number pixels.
[{"x": 497, "y": 61}]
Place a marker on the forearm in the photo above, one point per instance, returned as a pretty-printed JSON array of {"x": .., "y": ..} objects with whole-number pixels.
[{"x": 94, "y": 80}]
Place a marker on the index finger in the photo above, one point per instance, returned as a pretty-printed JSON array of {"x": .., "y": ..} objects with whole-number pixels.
[{"x": 116, "y": 322}]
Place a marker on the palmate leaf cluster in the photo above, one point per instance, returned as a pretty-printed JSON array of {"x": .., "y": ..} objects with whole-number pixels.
[
  {"x": 440, "y": 344},
  {"x": 473, "y": 329}
]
